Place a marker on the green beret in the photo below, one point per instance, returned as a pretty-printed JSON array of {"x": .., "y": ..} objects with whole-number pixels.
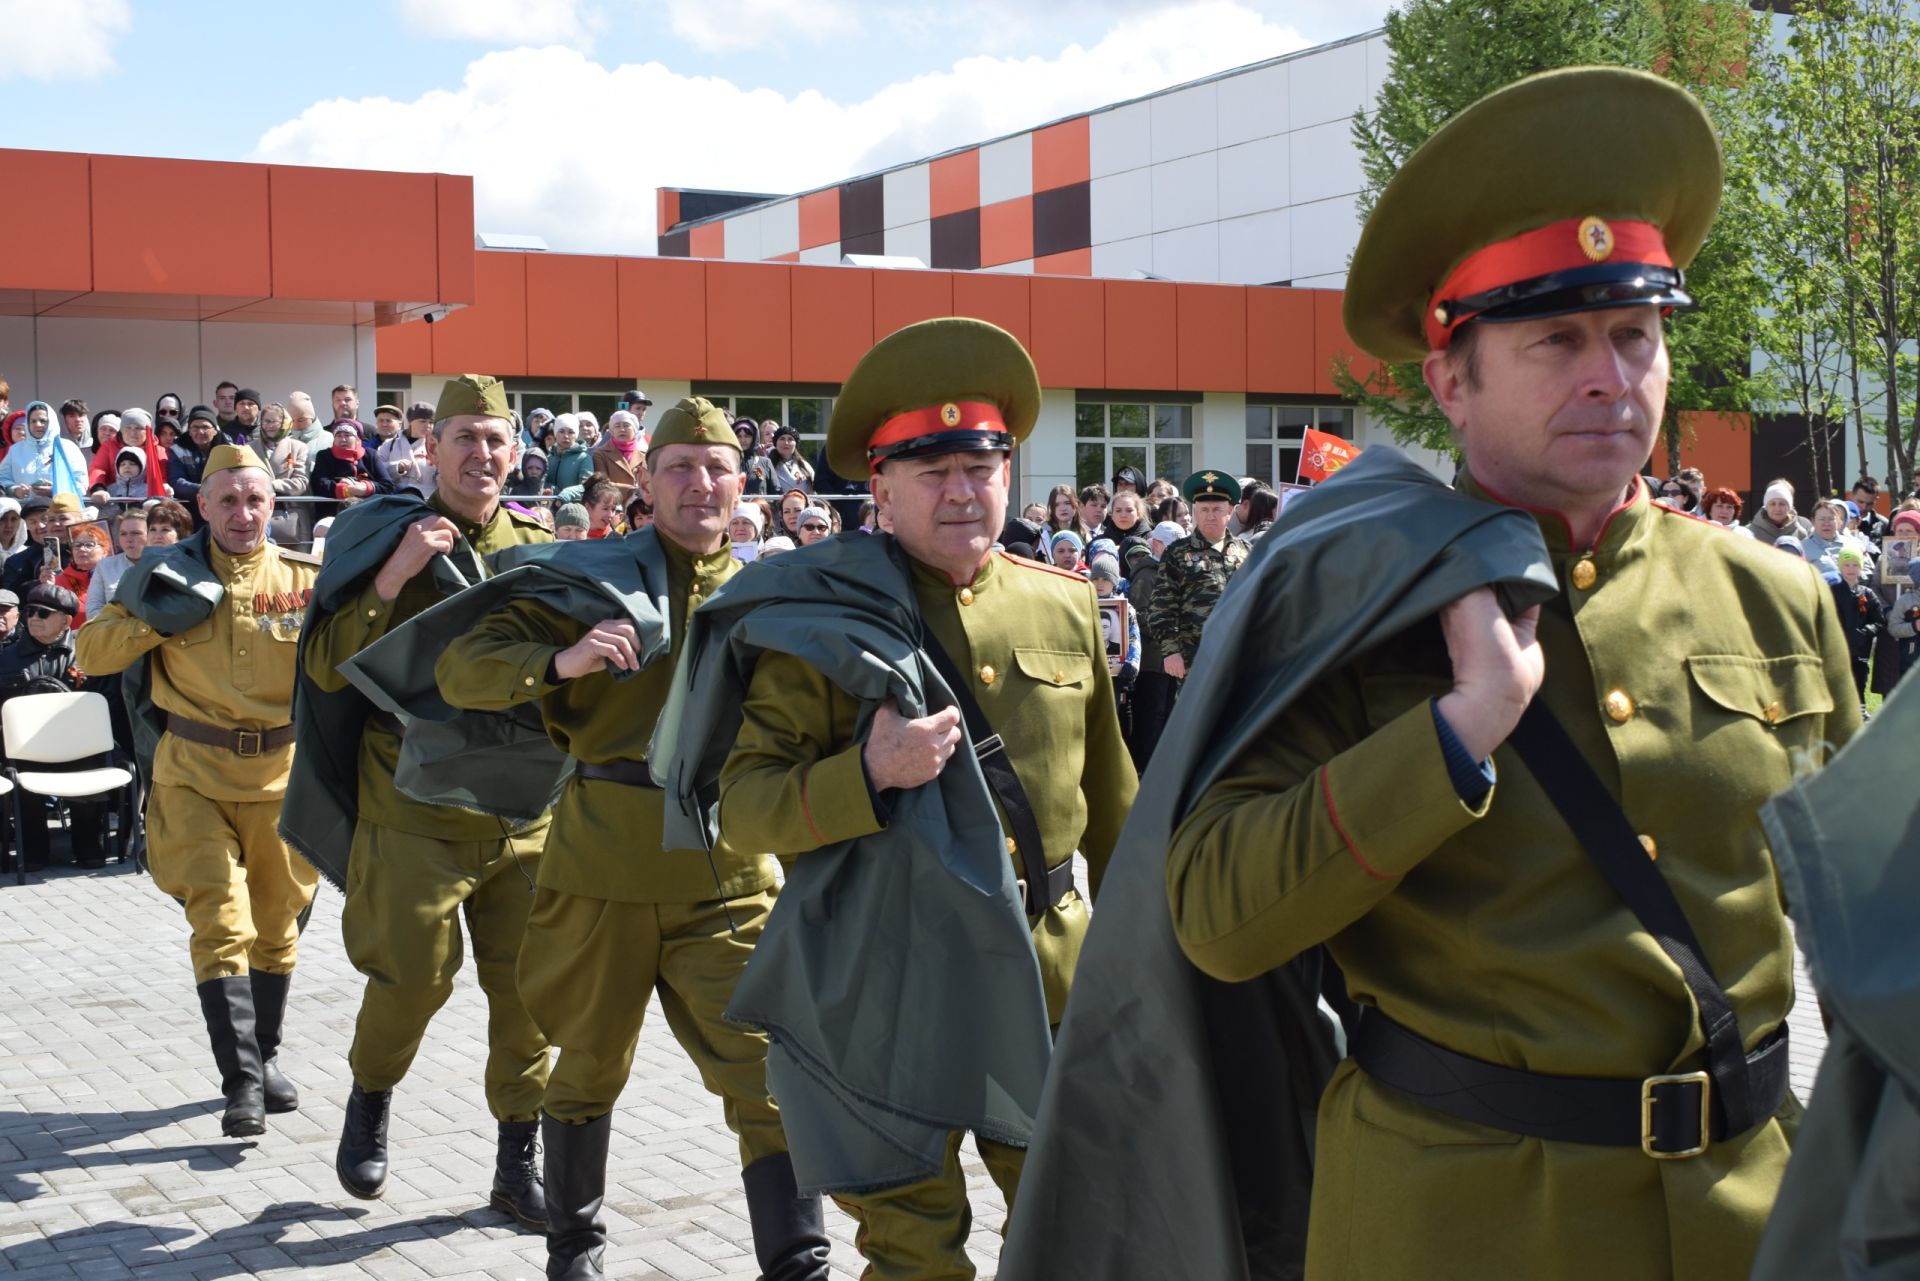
[
  {"x": 936, "y": 387},
  {"x": 694, "y": 421},
  {"x": 472, "y": 394},
  {"x": 1604, "y": 179},
  {"x": 1211, "y": 484}
]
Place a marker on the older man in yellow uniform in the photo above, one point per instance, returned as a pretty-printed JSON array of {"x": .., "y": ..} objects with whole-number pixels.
[
  {"x": 416, "y": 868},
  {"x": 931, "y": 414},
  {"x": 1571, "y": 1057},
  {"x": 225, "y": 687},
  {"x": 616, "y": 916}
]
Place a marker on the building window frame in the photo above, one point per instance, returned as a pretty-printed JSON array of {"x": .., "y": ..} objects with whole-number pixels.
[
  {"x": 1151, "y": 431},
  {"x": 1275, "y": 432}
]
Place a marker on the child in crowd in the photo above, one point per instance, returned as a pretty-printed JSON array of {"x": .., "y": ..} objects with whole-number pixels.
[
  {"x": 130, "y": 471},
  {"x": 1862, "y": 616},
  {"x": 1105, "y": 575},
  {"x": 1065, "y": 551},
  {"x": 570, "y": 523},
  {"x": 530, "y": 478}
]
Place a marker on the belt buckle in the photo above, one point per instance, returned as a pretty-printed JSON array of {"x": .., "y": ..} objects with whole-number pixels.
[
  {"x": 248, "y": 742},
  {"x": 1647, "y": 1088},
  {"x": 988, "y": 746}
]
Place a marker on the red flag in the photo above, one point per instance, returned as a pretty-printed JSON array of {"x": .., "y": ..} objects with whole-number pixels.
[{"x": 1322, "y": 454}]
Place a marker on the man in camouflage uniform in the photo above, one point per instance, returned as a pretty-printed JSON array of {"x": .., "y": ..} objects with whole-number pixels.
[{"x": 1195, "y": 570}]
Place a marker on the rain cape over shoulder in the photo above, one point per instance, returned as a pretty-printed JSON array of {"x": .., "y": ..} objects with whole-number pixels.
[{"x": 1175, "y": 1139}]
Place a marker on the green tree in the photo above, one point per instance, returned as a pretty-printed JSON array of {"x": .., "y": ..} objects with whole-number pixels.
[{"x": 1447, "y": 54}]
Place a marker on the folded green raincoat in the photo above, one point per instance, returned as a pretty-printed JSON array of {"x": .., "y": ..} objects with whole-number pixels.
[{"x": 172, "y": 590}]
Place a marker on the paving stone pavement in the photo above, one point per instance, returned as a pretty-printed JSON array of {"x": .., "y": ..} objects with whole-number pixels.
[{"x": 112, "y": 1164}]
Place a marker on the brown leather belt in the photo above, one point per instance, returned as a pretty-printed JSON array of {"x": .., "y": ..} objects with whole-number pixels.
[
  {"x": 631, "y": 773},
  {"x": 387, "y": 721},
  {"x": 241, "y": 742}
]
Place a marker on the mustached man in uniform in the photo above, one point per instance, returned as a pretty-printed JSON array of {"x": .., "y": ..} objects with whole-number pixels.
[
  {"x": 932, "y": 414},
  {"x": 415, "y": 868},
  {"x": 1531, "y": 843},
  {"x": 616, "y": 916},
  {"x": 222, "y": 678}
]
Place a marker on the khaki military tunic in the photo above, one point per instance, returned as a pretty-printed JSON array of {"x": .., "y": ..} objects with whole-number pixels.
[
  {"x": 1193, "y": 574},
  {"x": 212, "y": 815},
  {"x": 615, "y": 914},
  {"x": 1029, "y": 637},
  {"x": 1696, "y": 670},
  {"x": 416, "y": 869}
]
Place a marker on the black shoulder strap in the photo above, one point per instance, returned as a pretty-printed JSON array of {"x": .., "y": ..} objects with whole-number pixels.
[
  {"x": 998, "y": 767},
  {"x": 1597, "y": 819}
]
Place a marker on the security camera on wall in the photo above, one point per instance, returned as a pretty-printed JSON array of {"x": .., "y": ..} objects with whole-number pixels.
[{"x": 433, "y": 315}]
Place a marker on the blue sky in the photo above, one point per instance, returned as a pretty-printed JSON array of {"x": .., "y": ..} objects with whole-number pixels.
[{"x": 569, "y": 112}]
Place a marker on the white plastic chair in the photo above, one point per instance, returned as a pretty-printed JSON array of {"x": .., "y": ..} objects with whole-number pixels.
[{"x": 57, "y": 729}]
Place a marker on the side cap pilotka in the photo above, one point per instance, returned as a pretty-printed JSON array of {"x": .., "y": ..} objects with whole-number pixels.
[
  {"x": 694, "y": 420},
  {"x": 473, "y": 394},
  {"x": 230, "y": 458},
  {"x": 937, "y": 387},
  {"x": 1571, "y": 190}
]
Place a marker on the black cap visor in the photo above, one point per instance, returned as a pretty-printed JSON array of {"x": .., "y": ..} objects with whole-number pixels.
[
  {"x": 942, "y": 442},
  {"x": 1561, "y": 293}
]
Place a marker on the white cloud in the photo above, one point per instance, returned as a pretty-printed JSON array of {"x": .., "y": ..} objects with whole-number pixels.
[
  {"x": 510, "y": 22},
  {"x": 753, "y": 24},
  {"x": 566, "y": 148},
  {"x": 46, "y": 40}
]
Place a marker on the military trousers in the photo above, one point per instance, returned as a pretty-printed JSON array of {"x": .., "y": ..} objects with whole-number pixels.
[
  {"x": 406, "y": 895},
  {"x": 243, "y": 889},
  {"x": 586, "y": 970},
  {"x": 919, "y": 1232}
]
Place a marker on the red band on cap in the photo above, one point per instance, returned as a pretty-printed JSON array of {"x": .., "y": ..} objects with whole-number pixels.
[
  {"x": 955, "y": 415},
  {"x": 1559, "y": 246}
]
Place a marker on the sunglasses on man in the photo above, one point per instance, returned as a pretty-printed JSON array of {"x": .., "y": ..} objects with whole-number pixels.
[{"x": 41, "y": 611}]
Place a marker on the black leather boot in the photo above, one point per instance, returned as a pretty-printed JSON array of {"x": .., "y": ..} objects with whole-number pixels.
[
  {"x": 789, "y": 1231},
  {"x": 361, "y": 1162},
  {"x": 269, "y": 1008},
  {"x": 228, "y": 1006},
  {"x": 517, "y": 1187},
  {"x": 576, "y": 1184}
]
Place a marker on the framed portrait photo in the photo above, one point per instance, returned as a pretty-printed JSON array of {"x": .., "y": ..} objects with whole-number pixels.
[{"x": 1896, "y": 559}]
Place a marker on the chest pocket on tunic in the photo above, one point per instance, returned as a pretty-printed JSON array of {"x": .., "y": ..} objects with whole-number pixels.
[
  {"x": 1058, "y": 669},
  {"x": 1762, "y": 691},
  {"x": 199, "y": 634}
]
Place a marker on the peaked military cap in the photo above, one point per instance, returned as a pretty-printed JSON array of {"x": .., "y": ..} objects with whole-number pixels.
[
  {"x": 1211, "y": 484},
  {"x": 938, "y": 387},
  {"x": 472, "y": 394},
  {"x": 694, "y": 420},
  {"x": 1571, "y": 190}
]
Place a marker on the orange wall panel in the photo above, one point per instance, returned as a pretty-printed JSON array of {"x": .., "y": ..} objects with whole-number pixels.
[
  {"x": 666, "y": 209},
  {"x": 45, "y": 240},
  {"x": 1062, "y": 154},
  {"x": 820, "y": 218},
  {"x": 573, "y": 323},
  {"x": 832, "y": 322},
  {"x": 1004, "y": 300},
  {"x": 387, "y": 249},
  {"x": 663, "y": 318},
  {"x": 750, "y": 321},
  {"x": 1212, "y": 323},
  {"x": 902, "y": 297},
  {"x": 708, "y": 240},
  {"x": 1330, "y": 340},
  {"x": 1720, "y": 445},
  {"x": 454, "y": 194},
  {"x": 405, "y": 348},
  {"x": 1142, "y": 334},
  {"x": 1073, "y": 262},
  {"x": 212, "y": 243},
  {"x": 955, "y": 182},
  {"x": 1280, "y": 340},
  {"x": 1069, "y": 331},
  {"x": 1006, "y": 231},
  {"x": 489, "y": 337}
]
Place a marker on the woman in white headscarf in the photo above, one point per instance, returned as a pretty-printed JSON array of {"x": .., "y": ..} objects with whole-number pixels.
[
  {"x": 13, "y": 527},
  {"x": 45, "y": 461}
]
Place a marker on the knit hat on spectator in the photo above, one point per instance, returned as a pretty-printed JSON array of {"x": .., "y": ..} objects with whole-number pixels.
[
  {"x": 1910, "y": 519},
  {"x": 1065, "y": 536},
  {"x": 570, "y": 421},
  {"x": 247, "y": 393},
  {"x": 9, "y": 506},
  {"x": 694, "y": 420},
  {"x": 820, "y": 514},
  {"x": 534, "y": 455},
  {"x": 51, "y": 596},
  {"x": 1853, "y": 511},
  {"x": 573, "y": 514},
  {"x": 1849, "y": 555},
  {"x": 472, "y": 394},
  {"x": 1103, "y": 547},
  {"x": 1788, "y": 543},
  {"x": 1779, "y": 489},
  {"x": 138, "y": 457},
  {"x": 747, "y": 511},
  {"x": 202, "y": 413},
  {"x": 778, "y": 543},
  {"x": 420, "y": 410},
  {"x": 136, "y": 417},
  {"x": 1167, "y": 533},
  {"x": 1105, "y": 566},
  {"x": 1135, "y": 554}
]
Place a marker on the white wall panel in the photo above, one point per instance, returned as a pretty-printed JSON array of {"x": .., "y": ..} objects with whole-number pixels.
[
  {"x": 1324, "y": 162},
  {"x": 1253, "y": 104},
  {"x": 1258, "y": 249},
  {"x": 1120, "y": 139},
  {"x": 1254, "y": 176},
  {"x": 827, "y": 255},
  {"x": 1186, "y": 192},
  {"x": 1046, "y": 456},
  {"x": 1024, "y": 267},
  {"x": 275, "y": 359},
  {"x": 1121, "y": 205},
  {"x": 780, "y": 229},
  {"x": 1185, "y": 123},
  {"x": 1379, "y": 62},
  {"x": 743, "y": 237},
  {"x": 908, "y": 194},
  {"x": 115, "y": 364},
  {"x": 1329, "y": 85},
  {"x": 1323, "y": 236},
  {"x": 915, "y": 240},
  {"x": 1006, "y": 169},
  {"x": 1191, "y": 253},
  {"x": 1123, "y": 259}
]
